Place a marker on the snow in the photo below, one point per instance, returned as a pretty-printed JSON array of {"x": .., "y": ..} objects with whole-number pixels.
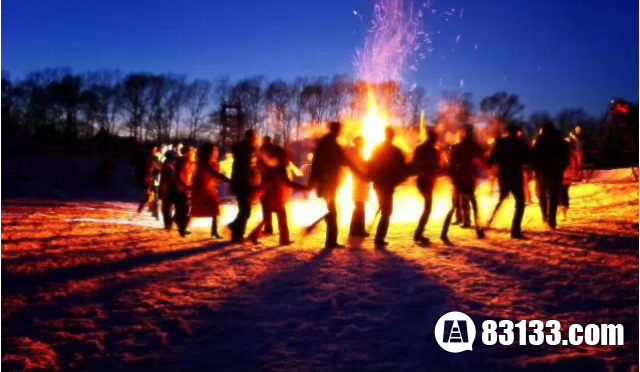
[{"x": 92, "y": 285}]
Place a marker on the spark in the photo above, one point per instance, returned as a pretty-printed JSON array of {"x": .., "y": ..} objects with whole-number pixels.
[{"x": 392, "y": 43}]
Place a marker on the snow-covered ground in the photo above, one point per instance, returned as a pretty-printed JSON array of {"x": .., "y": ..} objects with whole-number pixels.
[{"x": 91, "y": 285}]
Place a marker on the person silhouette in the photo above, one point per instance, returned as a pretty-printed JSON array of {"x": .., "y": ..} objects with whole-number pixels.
[
  {"x": 206, "y": 200},
  {"x": 185, "y": 170},
  {"x": 465, "y": 159},
  {"x": 245, "y": 182},
  {"x": 327, "y": 175},
  {"x": 426, "y": 161},
  {"x": 387, "y": 169},
  {"x": 360, "y": 190},
  {"x": 550, "y": 157},
  {"x": 510, "y": 154}
]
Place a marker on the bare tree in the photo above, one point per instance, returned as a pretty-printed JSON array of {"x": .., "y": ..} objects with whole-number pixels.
[
  {"x": 339, "y": 96},
  {"x": 105, "y": 100},
  {"x": 175, "y": 100},
  {"x": 297, "y": 104},
  {"x": 315, "y": 98},
  {"x": 277, "y": 97},
  {"x": 502, "y": 106},
  {"x": 136, "y": 102},
  {"x": 197, "y": 99},
  {"x": 157, "y": 122},
  {"x": 249, "y": 94}
]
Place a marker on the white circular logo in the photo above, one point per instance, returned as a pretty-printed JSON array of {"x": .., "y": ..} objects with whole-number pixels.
[{"x": 455, "y": 332}]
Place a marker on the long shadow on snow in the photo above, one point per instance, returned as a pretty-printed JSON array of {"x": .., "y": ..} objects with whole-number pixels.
[
  {"x": 342, "y": 310},
  {"x": 18, "y": 283}
]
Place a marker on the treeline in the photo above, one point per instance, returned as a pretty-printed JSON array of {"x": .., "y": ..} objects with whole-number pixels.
[{"x": 57, "y": 104}]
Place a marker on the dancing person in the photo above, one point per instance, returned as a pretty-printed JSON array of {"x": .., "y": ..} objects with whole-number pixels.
[
  {"x": 168, "y": 188},
  {"x": 327, "y": 175},
  {"x": 510, "y": 154},
  {"x": 185, "y": 170},
  {"x": 387, "y": 169},
  {"x": 466, "y": 158},
  {"x": 268, "y": 151},
  {"x": 152, "y": 183},
  {"x": 245, "y": 180},
  {"x": 426, "y": 160},
  {"x": 360, "y": 190},
  {"x": 573, "y": 172},
  {"x": 550, "y": 157},
  {"x": 277, "y": 190},
  {"x": 206, "y": 200}
]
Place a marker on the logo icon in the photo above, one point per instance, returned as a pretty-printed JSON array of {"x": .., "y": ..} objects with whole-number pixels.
[{"x": 455, "y": 332}]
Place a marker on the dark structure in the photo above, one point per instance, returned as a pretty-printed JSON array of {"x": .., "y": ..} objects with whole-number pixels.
[{"x": 614, "y": 144}]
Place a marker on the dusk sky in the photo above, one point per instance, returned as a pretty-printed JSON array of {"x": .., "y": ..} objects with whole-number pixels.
[{"x": 554, "y": 54}]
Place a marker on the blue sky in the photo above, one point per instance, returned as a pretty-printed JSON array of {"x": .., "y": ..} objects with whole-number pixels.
[{"x": 554, "y": 54}]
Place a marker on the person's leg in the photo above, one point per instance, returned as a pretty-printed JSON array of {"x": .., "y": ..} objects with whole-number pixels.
[
  {"x": 167, "y": 212},
  {"x": 362, "y": 219},
  {"x": 244, "y": 213},
  {"x": 267, "y": 215},
  {"x": 564, "y": 196},
  {"x": 332, "y": 224},
  {"x": 353, "y": 227},
  {"x": 422, "y": 222},
  {"x": 554, "y": 195},
  {"x": 527, "y": 191},
  {"x": 504, "y": 192},
  {"x": 457, "y": 204},
  {"x": 283, "y": 225},
  {"x": 427, "y": 194},
  {"x": 357, "y": 220},
  {"x": 214, "y": 228},
  {"x": 519, "y": 196},
  {"x": 542, "y": 196},
  {"x": 145, "y": 199},
  {"x": 187, "y": 215},
  {"x": 155, "y": 205},
  {"x": 444, "y": 235},
  {"x": 385, "y": 199},
  {"x": 181, "y": 213},
  {"x": 476, "y": 214},
  {"x": 465, "y": 204}
]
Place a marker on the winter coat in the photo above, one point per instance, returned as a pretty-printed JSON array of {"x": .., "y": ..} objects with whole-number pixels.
[
  {"x": 360, "y": 185},
  {"x": 510, "y": 154},
  {"x": 327, "y": 168},
  {"x": 245, "y": 176},
  {"x": 276, "y": 183},
  {"x": 550, "y": 154},
  {"x": 168, "y": 180},
  {"x": 387, "y": 167},
  {"x": 152, "y": 172},
  {"x": 426, "y": 164},
  {"x": 573, "y": 171},
  {"x": 206, "y": 199},
  {"x": 185, "y": 171},
  {"x": 464, "y": 161}
]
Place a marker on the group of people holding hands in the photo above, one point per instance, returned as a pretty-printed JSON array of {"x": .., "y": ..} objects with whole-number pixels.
[{"x": 187, "y": 182}]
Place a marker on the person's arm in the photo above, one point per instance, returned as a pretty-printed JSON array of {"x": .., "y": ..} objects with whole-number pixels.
[
  {"x": 346, "y": 161},
  {"x": 217, "y": 174},
  {"x": 284, "y": 177}
]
